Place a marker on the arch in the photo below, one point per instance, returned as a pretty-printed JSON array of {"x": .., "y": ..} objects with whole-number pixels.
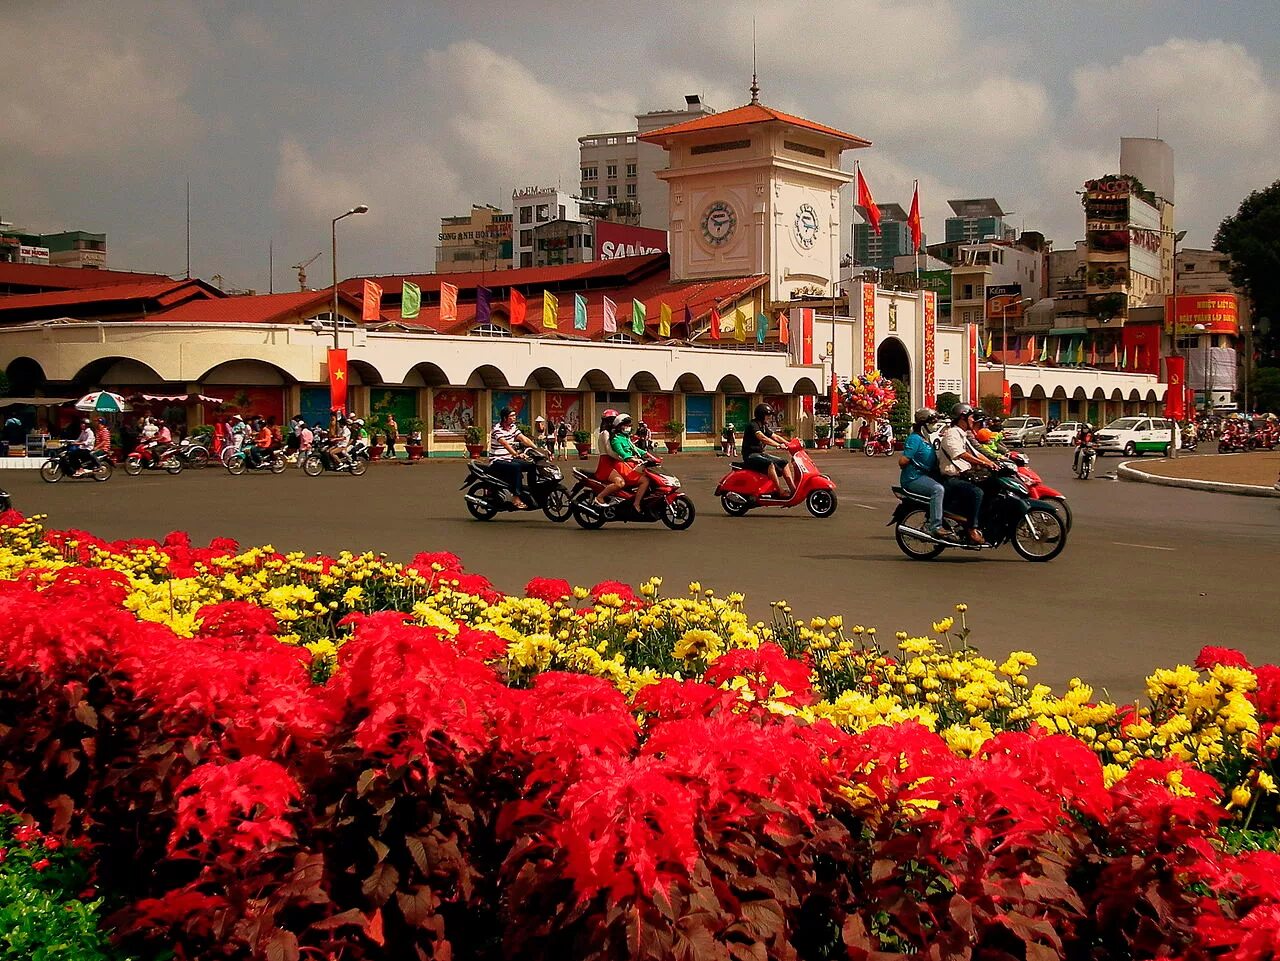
[
  {"x": 426, "y": 374},
  {"x": 26, "y": 376},
  {"x": 690, "y": 384},
  {"x": 1037, "y": 392},
  {"x": 644, "y": 382},
  {"x": 544, "y": 378},
  {"x": 368, "y": 374},
  {"x": 1152, "y": 397},
  {"x": 1117, "y": 394},
  {"x": 1059, "y": 393},
  {"x": 1079, "y": 394},
  {"x": 730, "y": 384},
  {"x": 246, "y": 372},
  {"x": 486, "y": 375},
  {"x": 769, "y": 385},
  {"x": 116, "y": 371},
  {"x": 1015, "y": 391},
  {"x": 1099, "y": 394},
  {"x": 893, "y": 361},
  {"x": 1135, "y": 395},
  {"x": 805, "y": 387},
  {"x": 595, "y": 379}
]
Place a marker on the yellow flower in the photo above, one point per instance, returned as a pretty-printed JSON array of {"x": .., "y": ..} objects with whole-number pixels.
[
  {"x": 944, "y": 625},
  {"x": 1241, "y": 796}
]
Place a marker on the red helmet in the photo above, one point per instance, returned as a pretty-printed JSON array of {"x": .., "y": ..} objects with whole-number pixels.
[{"x": 610, "y": 413}]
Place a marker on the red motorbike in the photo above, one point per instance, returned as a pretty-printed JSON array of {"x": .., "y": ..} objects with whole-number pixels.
[
  {"x": 1038, "y": 490},
  {"x": 875, "y": 446},
  {"x": 663, "y": 501},
  {"x": 742, "y": 489}
]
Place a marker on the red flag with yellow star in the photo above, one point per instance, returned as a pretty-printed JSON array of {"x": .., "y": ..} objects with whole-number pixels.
[{"x": 337, "y": 379}]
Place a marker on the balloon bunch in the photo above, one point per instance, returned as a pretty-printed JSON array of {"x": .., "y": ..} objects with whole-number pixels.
[{"x": 868, "y": 395}]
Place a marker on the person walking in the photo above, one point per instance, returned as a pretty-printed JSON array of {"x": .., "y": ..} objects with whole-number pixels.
[{"x": 393, "y": 435}]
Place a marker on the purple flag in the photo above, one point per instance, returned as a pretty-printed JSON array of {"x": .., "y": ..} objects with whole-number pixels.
[{"x": 482, "y": 305}]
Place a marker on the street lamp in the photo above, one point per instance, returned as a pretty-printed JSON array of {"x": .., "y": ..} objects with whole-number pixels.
[
  {"x": 1004, "y": 342},
  {"x": 1207, "y": 381},
  {"x": 333, "y": 237}
]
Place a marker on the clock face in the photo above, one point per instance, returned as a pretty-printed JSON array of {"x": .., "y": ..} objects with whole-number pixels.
[
  {"x": 718, "y": 223},
  {"x": 806, "y": 226}
]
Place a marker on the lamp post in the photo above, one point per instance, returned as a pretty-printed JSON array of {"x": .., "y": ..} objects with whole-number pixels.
[
  {"x": 1004, "y": 344},
  {"x": 333, "y": 237},
  {"x": 1173, "y": 339},
  {"x": 1207, "y": 380}
]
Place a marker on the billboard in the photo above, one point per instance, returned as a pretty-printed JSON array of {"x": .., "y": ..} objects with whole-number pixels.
[
  {"x": 1004, "y": 302},
  {"x": 1219, "y": 312},
  {"x": 1144, "y": 238},
  {"x": 621, "y": 240}
]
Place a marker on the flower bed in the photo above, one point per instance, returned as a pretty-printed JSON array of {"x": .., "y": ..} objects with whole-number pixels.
[{"x": 287, "y": 756}]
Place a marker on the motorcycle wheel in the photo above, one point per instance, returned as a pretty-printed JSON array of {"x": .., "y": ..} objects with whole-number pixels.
[
  {"x": 587, "y": 521},
  {"x": 277, "y": 463},
  {"x": 868, "y": 449},
  {"x": 102, "y": 472},
  {"x": 358, "y": 466},
  {"x": 236, "y": 466},
  {"x": 312, "y": 466},
  {"x": 197, "y": 458},
  {"x": 174, "y": 466},
  {"x": 557, "y": 506},
  {"x": 133, "y": 465},
  {"x": 1040, "y": 535},
  {"x": 821, "y": 502},
  {"x": 1060, "y": 507},
  {"x": 678, "y": 514},
  {"x": 914, "y": 548},
  {"x": 735, "y": 505},
  {"x": 485, "y": 511},
  {"x": 51, "y": 472}
]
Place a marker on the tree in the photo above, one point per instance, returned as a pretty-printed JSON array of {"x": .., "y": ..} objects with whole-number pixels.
[
  {"x": 1264, "y": 392},
  {"x": 1252, "y": 237},
  {"x": 947, "y": 400}
]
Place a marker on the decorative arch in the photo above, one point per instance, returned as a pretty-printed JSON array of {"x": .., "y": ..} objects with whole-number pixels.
[
  {"x": 805, "y": 387},
  {"x": 595, "y": 379},
  {"x": 246, "y": 372},
  {"x": 426, "y": 374},
  {"x": 1117, "y": 394},
  {"x": 116, "y": 371},
  {"x": 486, "y": 375},
  {"x": 1099, "y": 394},
  {"x": 1135, "y": 395},
  {"x": 1059, "y": 393},
  {"x": 368, "y": 374},
  {"x": 26, "y": 376},
  {"x": 690, "y": 384},
  {"x": 644, "y": 382},
  {"x": 1037, "y": 392},
  {"x": 1152, "y": 396},
  {"x": 769, "y": 385},
  {"x": 544, "y": 378},
  {"x": 893, "y": 360},
  {"x": 730, "y": 384},
  {"x": 1079, "y": 394}
]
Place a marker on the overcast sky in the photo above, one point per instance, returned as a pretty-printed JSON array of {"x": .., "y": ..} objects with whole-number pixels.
[{"x": 284, "y": 114}]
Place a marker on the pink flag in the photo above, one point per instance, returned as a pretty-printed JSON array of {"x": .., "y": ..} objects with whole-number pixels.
[{"x": 610, "y": 316}]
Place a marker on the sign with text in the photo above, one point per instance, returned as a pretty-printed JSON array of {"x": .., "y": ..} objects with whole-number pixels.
[
  {"x": 1220, "y": 313},
  {"x": 1004, "y": 302},
  {"x": 613, "y": 241}
]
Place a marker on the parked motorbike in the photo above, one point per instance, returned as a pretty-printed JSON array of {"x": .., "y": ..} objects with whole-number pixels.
[
  {"x": 320, "y": 459},
  {"x": 1008, "y": 515},
  {"x": 875, "y": 446},
  {"x": 742, "y": 489},
  {"x": 663, "y": 501},
  {"x": 487, "y": 494},
  {"x": 238, "y": 462},
  {"x": 1084, "y": 467},
  {"x": 153, "y": 458},
  {"x": 59, "y": 466},
  {"x": 1039, "y": 490}
]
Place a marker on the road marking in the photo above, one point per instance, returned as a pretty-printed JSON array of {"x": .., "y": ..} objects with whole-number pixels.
[
  {"x": 866, "y": 507},
  {"x": 1145, "y": 547}
]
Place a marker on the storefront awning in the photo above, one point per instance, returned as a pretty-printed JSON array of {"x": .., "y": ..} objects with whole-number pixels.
[
  {"x": 1068, "y": 331},
  {"x": 178, "y": 398},
  {"x": 36, "y": 401}
]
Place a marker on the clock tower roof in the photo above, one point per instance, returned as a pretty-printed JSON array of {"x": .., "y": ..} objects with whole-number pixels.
[{"x": 752, "y": 113}]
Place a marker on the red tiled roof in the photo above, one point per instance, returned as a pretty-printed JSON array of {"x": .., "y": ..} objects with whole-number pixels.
[
  {"x": 596, "y": 273},
  {"x": 162, "y": 292},
  {"x": 749, "y": 114},
  {"x": 30, "y": 278},
  {"x": 253, "y": 309}
]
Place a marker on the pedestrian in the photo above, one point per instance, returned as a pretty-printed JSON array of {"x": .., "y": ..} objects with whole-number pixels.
[
  {"x": 562, "y": 438},
  {"x": 729, "y": 440},
  {"x": 393, "y": 435}
]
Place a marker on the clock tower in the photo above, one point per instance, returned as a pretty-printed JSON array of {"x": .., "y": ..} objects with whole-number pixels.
[{"x": 755, "y": 191}]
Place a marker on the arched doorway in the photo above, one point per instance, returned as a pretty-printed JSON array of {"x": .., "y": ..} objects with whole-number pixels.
[{"x": 894, "y": 363}]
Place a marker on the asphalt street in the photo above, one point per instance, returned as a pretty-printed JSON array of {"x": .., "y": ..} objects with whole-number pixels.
[{"x": 1149, "y": 574}]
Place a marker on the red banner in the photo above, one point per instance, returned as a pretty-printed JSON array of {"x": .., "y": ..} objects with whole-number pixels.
[
  {"x": 1175, "y": 395},
  {"x": 1006, "y": 399},
  {"x": 337, "y": 379},
  {"x": 371, "y": 309},
  {"x": 972, "y": 363},
  {"x": 868, "y": 328},
  {"x": 930, "y": 332}
]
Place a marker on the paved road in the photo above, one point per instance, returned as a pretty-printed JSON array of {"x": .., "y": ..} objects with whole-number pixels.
[{"x": 1149, "y": 574}]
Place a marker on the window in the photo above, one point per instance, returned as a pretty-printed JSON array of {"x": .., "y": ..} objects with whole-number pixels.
[
  {"x": 968, "y": 292},
  {"x": 719, "y": 147},
  {"x": 526, "y": 215},
  {"x": 586, "y": 240},
  {"x": 611, "y": 141},
  {"x": 611, "y": 172},
  {"x": 1188, "y": 343},
  {"x": 631, "y": 191},
  {"x": 526, "y": 260},
  {"x": 489, "y": 330},
  {"x": 612, "y": 191},
  {"x": 619, "y": 338},
  {"x": 631, "y": 138},
  {"x": 560, "y": 212},
  {"x": 589, "y": 193},
  {"x": 526, "y": 238},
  {"x": 542, "y": 212},
  {"x": 590, "y": 173},
  {"x": 631, "y": 170}
]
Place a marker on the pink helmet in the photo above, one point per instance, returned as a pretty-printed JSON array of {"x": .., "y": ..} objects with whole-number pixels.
[{"x": 609, "y": 413}]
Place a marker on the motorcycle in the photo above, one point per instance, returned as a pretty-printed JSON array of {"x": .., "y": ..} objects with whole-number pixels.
[
  {"x": 320, "y": 459},
  {"x": 1008, "y": 515},
  {"x": 742, "y": 489},
  {"x": 153, "y": 458},
  {"x": 1039, "y": 490},
  {"x": 663, "y": 501},
  {"x": 58, "y": 466},
  {"x": 488, "y": 494},
  {"x": 238, "y": 462},
  {"x": 875, "y": 445},
  {"x": 1084, "y": 467}
]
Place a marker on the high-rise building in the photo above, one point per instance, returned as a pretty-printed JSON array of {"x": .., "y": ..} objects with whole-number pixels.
[
  {"x": 975, "y": 221},
  {"x": 1126, "y": 243},
  {"x": 66, "y": 248},
  {"x": 533, "y": 207},
  {"x": 894, "y": 240},
  {"x": 477, "y": 241}
]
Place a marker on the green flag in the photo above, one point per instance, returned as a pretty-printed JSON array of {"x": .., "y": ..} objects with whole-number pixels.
[
  {"x": 410, "y": 300},
  {"x": 579, "y": 312},
  {"x": 637, "y": 318},
  {"x": 762, "y": 328}
]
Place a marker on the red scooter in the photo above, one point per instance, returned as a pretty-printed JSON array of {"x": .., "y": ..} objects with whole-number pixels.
[
  {"x": 1039, "y": 490},
  {"x": 742, "y": 489},
  {"x": 875, "y": 446}
]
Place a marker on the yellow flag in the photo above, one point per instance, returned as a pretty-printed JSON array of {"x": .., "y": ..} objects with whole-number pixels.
[
  {"x": 550, "y": 311},
  {"x": 664, "y": 322},
  {"x": 739, "y": 325}
]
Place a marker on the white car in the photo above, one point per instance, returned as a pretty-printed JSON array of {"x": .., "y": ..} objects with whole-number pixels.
[
  {"x": 1063, "y": 435},
  {"x": 1135, "y": 436}
]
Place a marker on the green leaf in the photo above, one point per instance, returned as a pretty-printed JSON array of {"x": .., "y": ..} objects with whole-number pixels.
[{"x": 380, "y": 885}]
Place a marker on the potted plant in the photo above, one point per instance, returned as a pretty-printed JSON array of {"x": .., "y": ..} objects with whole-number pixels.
[
  {"x": 787, "y": 430},
  {"x": 472, "y": 437},
  {"x": 675, "y": 438},
  {"x": 823, "y": 434},
  {"x": 412, "y": 430},
  {"x": 582, "y": 441}
]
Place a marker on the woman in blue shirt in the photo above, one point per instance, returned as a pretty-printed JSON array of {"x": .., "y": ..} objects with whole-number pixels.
[{"x": 919, "y": 463}]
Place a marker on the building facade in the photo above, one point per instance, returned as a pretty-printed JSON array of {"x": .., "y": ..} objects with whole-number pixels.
[
  {"x": 974, "y": 221},
  {"x": 894, "y": 240},
  {"x": 478, "y": 241}
]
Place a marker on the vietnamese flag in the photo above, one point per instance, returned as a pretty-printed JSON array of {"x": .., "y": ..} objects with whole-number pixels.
[
  {"x": 371, "y": 310},
  {"x": 868, "y": 203},
  {"x": 337, "y": 379},
  {"x": 913, "y": 220}
]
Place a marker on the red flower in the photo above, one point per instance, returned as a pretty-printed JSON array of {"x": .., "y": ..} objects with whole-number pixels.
[
  {"x": 765, "y": 667},
  {"x": 40, "y": 865},
  {"x": 1229, "y": 657},
  {"x": 549, "y": 589}
]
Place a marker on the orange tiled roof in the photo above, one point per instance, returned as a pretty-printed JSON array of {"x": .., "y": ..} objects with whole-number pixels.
[
  {"x": 112, "y": 298},
  {"x": 254, "y": 309},
  {"x": 751, "y": 113},
  {"x": 33, "y": 278}
]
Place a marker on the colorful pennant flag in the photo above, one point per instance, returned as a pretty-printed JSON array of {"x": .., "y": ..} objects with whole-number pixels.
[
  {"x": 637, "y": 318},
  {"x": 484, "y": 310},
  {"x": 715, "y": 322},
  {"x": 1057, "y": 354},
  {"x": 1031, "y": 347},
  {"x": 448, "y": 304},
  {"x": 739, "y": 325},
  {"x": 337, "y": 379},
  {"x": 372, "y": 307},
  {"x": 1080, "y": 352},
  {"x": 784, "y": 328},
  {"x": 610, "y": 316},
  {"x": 688, "y": 321},
  {"x": 550, "y": 311},
  {"x": 410, "y": 300},
  {"x": 664, "y": 321},
  {"x": 868, "y": 203},
  {"x": 518, "y": 308},
  {"x": 1044, "y": 350},
  {"x": 1124, "y": 358},
  {"x": 913, "y": 220},
  {"x": 762, "y": 328},
  {"x": 986, "y": 351},
  {"x": 579, "y": 312},
  {"x": 1115, "y": 354}
]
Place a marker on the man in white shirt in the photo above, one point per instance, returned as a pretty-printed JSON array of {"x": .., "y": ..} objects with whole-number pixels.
[
  {"x": 83, "y": 460},
  {"x": 956, "y": 459}
]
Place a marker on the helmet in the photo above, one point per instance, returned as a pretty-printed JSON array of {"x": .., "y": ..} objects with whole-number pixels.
[
  {"x": 621, "y": 421},
  {"x": 359, "y": 422},
  {"x": 1088, "y": 426},
  {"x": 610, "y": 413},
  {"x": 763, "y": 411},
  {"x": 984, "y": 436},
  {"x": 925, "y": 415},
  {"x": 960, "y": 411}
]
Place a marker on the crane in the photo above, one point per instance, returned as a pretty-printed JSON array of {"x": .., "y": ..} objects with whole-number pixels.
[{"x": 302, "y": 270}]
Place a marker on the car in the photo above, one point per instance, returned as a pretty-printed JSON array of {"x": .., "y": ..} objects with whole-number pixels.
[
  {"x": 1135, "y": 436},
  {"x": 1023, "y": 431},
  {"x": 1063, "y": 435}
]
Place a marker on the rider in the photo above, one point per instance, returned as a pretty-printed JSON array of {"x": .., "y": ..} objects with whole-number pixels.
[
  {"x": 102, "y": 437},
  {"x": 607, "y": 470},
  {"x": 505, "y": 445},
  {"x": 629, "y": 458},
  {"x": 1083, "y": 436},
  {"x": 340, "y": 443},
  {"x": 79, "y": 455},
  {"x": 919, "y": 463},
  {"x": 884, "y": 434},
  {"x": 958, "y": 458},
  {"x": 755, "y": 438},
  {"x": 263, "y": 441},
  {"x": 642, "y": 437}
]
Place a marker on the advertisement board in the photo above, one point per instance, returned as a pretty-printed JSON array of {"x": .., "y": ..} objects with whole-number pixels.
[
  {"x": 1004, "y": 303},
  {"x": 621, "y": 240},
  {"x": 1219, "y": 312},
  {"x": 1144, "y": 238}
]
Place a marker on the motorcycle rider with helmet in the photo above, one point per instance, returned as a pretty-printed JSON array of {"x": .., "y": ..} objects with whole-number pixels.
[
  {"x": 755, "y": 438},
  {"x": 629, "y": 459},
  {"x": 959, "y": 458},
  {"x": 919, "y": 463},
  {"x": 1083, "y": 436},
  {"x": 607, "y": 468}
]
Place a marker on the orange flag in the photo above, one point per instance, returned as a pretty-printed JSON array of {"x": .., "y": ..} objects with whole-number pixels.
[
  {"x": 784, "y": 329},
  {"x": 337, "y": 379},
  {"x": 715, "y": 322},
  {"x": 372, "y": 308},
  {"x": 868, "y": 203}
]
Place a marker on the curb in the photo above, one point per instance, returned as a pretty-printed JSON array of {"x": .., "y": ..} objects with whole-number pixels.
[{"x": 1128, "y": 473}]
